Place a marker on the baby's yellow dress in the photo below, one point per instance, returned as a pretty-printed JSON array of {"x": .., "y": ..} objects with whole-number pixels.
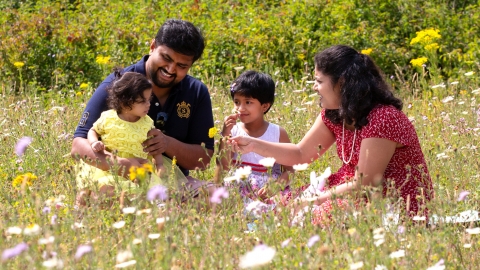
[{"x": 126, "y": 139}]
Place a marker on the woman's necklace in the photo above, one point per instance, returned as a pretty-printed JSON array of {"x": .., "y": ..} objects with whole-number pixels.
[{"x": 343, "y": 145}]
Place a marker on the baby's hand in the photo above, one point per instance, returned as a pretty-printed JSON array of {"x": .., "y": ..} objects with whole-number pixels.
[
  {"x": 98, "y": 146},
  {"x": 160, "y": 170}
]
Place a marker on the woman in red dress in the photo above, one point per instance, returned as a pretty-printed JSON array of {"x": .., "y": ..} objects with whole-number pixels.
[{"x": 375, "y": 140}]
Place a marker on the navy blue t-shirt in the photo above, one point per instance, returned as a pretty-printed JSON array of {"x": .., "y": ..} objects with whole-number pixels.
[{"x": 186, "y": 115}]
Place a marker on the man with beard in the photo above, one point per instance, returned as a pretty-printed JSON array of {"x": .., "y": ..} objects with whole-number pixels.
[{"x": 180, "y": 106}]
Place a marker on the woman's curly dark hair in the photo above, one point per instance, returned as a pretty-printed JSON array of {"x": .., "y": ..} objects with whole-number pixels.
[
  {"x": 126, "y": 89},
  {"x": 362, "y": 86}
]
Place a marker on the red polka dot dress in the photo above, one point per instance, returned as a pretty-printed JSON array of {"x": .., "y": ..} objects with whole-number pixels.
[{"x": 406, "y": 176}]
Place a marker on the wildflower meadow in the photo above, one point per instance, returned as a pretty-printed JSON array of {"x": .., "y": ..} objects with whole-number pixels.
[{"x": 42, "y": 228}]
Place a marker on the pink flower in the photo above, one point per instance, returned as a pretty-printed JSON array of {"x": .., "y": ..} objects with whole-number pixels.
[
  {"x": 14, "y": 252},
  {"x": 22, "y": 145},
  {"x": 82, "y": 250},
  {"x": 463, "y": 195},
  {"x": 218, "y": 194},
  {"x": 314, "y": 239},
  {"x": 157, "y": 192}
]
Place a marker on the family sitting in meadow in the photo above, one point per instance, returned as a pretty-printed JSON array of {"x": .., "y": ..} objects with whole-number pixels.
[{"x": 156, "y": 109}]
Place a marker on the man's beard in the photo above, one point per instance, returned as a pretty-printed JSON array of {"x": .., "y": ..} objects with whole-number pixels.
[{"x": 158, "y": 83}]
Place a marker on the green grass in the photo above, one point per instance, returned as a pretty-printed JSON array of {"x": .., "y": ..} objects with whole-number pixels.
[{"x": 197, "y": 237}]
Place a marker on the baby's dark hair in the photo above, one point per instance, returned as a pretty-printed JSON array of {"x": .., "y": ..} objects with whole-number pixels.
[
  {"x": 127, "y": 89},
  {"x": 255, "y": 85}
]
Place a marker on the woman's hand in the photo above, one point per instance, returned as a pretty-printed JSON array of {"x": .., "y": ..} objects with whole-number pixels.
[{"x": 241, "y": 144}]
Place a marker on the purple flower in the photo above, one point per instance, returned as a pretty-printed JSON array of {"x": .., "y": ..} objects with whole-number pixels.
[
  {"x": 286, "y": 242},
  {"x": 401, "y": 229},
  {"x": 46, "y": 210},
  {"x": 53, "y": 220},
  {"x": 157, "y": 192},
  {"x": 14, "y": 252},
  {"x": 82, "y": 250},
  {"x": 313, "y": 240},
  {"x": 218, "y": 194},
  {"x": 22, "y": 145},
  {"x": 463, "y": 195}
]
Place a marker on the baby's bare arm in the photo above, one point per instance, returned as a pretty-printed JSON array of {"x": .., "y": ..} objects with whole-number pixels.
[{"x": 92, "y": 138}]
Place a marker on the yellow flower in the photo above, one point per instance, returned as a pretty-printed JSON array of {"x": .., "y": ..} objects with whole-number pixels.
[
  {"x": 141, "y": 173},
  {"x": 212, "y": 131},
  {"x": 79, "y": 93},
  {"x": 19, "y": 64},
  {"x": 83, "y": 85},
  {"x": 174, "y": 161},
  {"x": 28, "y": 178},
  {"x": 133, "y": 172},
  {"x": 148, "y": 167},
  {"x": 367, "y": 51},
  {"x": 418, "y": 62},
  {"x": 426, "y": 36},
  {"x": 102, "y": 60},
  {"x": 431, "y": 47}
]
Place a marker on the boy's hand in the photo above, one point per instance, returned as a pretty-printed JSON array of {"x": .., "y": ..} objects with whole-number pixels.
[
  {"x": 263, "y": 193},
  {"x": 228, "y": 124},
  {"x": 98, "y": 146}
]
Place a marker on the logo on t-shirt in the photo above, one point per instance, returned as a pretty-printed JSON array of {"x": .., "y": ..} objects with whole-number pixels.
[
  {"x": 183, "y": 109},
  {"x": 83, "y": 120}
]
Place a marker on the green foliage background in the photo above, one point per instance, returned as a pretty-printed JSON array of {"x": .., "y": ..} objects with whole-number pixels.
[{"x": 59, "y": 40}]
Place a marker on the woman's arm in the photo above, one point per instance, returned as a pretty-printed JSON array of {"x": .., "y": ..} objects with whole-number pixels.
[
  {"x": 286, "y": 170},
  {"x": 287, "y": 153}
]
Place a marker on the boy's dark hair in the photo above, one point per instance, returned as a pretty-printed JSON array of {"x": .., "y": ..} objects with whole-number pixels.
[
  {"x": 182, "y": 37},
  {"x": 126, "y": 89},
  {"x": 362, "y": 86},
  {"x": 255, "y": 85}
]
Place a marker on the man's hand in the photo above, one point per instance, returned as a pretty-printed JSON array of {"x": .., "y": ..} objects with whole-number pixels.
[{"x": 157, "y": 144}]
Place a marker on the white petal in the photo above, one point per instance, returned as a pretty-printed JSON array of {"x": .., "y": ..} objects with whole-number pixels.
[
  {"x": 14, "y": 230},
  {"x": 118, "y": 225},
  {"x": 355, "y": 266},
  {"x": 154, "y": 235},
  {"x": 473, "y": 231},
  {"x": 260, "y": 255},
  {"x": 397, "y": 254},
  {"x": 129, "y": 210},
  {"x": 300, "y": 167},
  {"x": 126, "y": 264},
  {"x": 267, "y": 162}
]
